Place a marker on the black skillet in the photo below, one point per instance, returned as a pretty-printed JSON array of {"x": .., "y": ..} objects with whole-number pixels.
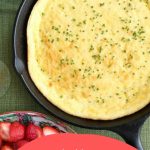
[{"x": 127, "y": 127}]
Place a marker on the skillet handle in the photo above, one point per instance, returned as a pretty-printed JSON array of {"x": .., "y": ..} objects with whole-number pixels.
[{"x": 131, "y": 133}]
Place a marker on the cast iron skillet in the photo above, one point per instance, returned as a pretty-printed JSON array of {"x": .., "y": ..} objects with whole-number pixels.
[{"x": 127, "y": 127}]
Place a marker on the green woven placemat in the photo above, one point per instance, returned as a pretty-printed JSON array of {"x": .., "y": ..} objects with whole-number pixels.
[{"x": 17, "y": 97}]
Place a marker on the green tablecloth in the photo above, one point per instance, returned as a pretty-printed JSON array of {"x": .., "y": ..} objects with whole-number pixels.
[{"x": 17, "y": 97}]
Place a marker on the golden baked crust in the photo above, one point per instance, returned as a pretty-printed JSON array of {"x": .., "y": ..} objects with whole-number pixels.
[{"x": 91, "y": 58}]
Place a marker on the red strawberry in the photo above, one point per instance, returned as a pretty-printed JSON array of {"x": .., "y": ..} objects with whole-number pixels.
[
  {"x": 0, "y": 143},
  {"x": 17, "y": 131},
  {"x": 20, "y": 143},
  {"x": 49, "y": 131},
  {"x": 6, "y": 147},
  {"x": 4, "y": 130},
  {"x": 33, "y": 132}
]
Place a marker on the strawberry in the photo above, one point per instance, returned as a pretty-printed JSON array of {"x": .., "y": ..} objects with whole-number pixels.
[
  {"x": 6, "y": 147},
  {"x": 33, "y": 132},
  {"x": 4, "y": 130},
  {"x": 0, "y": 143},
  {"x": 17, "y": 131},
  {"x": 49, "y": 131},
  {"x": 20, "y": 143}
]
